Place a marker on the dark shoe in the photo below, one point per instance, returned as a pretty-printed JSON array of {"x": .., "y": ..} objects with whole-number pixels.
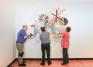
[
  {"x": 49, "y": 63},
  {"x": 22, "y": 64},
  {"x": 64, "y": 63},
  {"x": 42, "y": 63}
]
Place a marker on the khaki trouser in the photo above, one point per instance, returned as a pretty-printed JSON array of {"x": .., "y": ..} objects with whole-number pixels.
[{"x": 20, "y": 48}]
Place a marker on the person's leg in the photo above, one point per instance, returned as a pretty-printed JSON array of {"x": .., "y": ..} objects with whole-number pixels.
[
  {"x": 43, "y": 54},
  {"x": 48, "y": 53},
  {"x": 65, "y": 56},
  {"x": 20, "y": 48}
]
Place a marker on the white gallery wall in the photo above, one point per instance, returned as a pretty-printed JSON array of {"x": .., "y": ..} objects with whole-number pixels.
[
  {"x": 7, "y": 32},
  {"x": 80, "y": 17}
]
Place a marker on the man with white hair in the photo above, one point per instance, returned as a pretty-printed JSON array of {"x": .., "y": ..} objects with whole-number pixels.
[{"x": 21, "y": 39}]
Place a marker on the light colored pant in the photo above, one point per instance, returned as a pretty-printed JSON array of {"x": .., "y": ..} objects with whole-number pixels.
[{"x": 20, "y": 48}]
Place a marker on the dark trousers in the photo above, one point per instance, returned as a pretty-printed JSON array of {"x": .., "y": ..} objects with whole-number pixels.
[
  {"x": 45, "y": 48},
  {"x": 65, "y": 55}
]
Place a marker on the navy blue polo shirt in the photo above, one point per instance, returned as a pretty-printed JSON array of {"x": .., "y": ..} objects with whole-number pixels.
[{"x": 20, "y": 36}]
